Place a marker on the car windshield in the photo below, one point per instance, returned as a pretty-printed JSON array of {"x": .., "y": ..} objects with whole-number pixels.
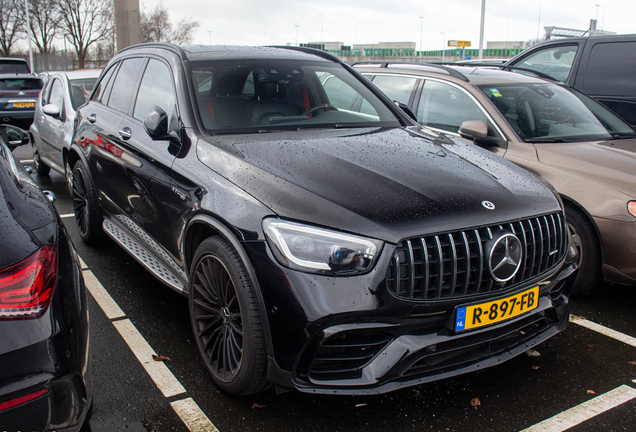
[
  {"x": 545, "y": 112},
  {"x": 262, "y": 95},
  {"x": 13, "y": 67},
  {"x": 81, "y": 90},
  {"x": 16, "y": 84}
]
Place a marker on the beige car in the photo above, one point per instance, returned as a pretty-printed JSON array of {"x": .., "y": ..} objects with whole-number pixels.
[{"x": 554, "y": 131}]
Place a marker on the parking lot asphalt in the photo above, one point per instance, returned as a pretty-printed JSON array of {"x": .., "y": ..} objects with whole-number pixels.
[{"x": 581, "y": 379}]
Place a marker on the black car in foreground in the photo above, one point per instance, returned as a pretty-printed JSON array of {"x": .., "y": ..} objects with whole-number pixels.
[
  {"x": 44, "y": 363},
  {"x": 327, "y": 243}
]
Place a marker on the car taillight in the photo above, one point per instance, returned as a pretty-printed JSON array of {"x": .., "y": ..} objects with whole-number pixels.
[
  {"x": 22, "y": 399},
  {"x": 26, "y": 288}
]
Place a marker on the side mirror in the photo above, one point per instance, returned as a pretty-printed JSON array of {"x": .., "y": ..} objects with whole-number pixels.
[
  {"x": 13, "y": 136},
  {"x": 404, "y": 107},
  {"x": 473, "y": 129},
  {"x": 156, "y": 125},
  {"x": 51, "y": 110}
]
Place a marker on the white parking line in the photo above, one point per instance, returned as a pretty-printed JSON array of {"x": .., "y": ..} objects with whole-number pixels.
[
  {"x": 101, "y": 296},
  {"x": 192, "y": 416},
  {"x": 585, "y": 411},
  {"x": 186, "y": 409},
  {"x": 603, "y": 330},
  {"x": 158, "y": 371}
]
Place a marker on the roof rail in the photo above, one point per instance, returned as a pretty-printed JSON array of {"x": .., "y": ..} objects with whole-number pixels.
[
  {"x": 385, "y": 64},
  {"x": 313, "y": 51},
  {"x": 168, "y": 46}
]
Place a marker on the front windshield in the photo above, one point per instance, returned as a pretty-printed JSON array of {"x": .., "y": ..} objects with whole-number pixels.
[
  {"x": 548, "y": 112},
  {"x": 262, "y": 95}
]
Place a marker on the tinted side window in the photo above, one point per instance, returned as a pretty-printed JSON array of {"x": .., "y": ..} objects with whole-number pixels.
[
  {"x": 446, "y": 107},
  {"x": 395, "y": 87},
  {"x": 610, "y": 70},
  {"x": 123, "y": 87},
  {"x": 555, "y": 61},
  {"x": 99, "y": 93},
  {"x": 156, "y": 89},
  {"x": 57, "y": 94}
]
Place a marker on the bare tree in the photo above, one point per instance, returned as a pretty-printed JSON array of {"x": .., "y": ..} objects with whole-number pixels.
[
  {"x": 156, "y": 27},
  {"x": 45, "y": 18},
  {"x": 85, "y": 22},
  {"x": 11, "y": 24}
]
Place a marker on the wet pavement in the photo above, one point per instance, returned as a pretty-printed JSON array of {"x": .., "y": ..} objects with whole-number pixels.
[{"x": 573, "y": 367}]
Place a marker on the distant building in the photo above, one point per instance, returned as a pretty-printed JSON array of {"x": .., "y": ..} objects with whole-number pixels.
[{"x": 507, "y": 45}]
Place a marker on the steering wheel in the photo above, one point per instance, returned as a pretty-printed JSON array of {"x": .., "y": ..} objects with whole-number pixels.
[{"x": 325, "y": 107}]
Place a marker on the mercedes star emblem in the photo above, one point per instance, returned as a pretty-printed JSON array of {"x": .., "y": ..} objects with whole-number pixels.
[
  {"x": 488, "y": 205},
  {"x": 504, "y": 255}
]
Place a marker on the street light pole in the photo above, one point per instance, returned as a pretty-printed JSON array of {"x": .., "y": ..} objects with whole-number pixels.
[
  {"x": 421, "y": 27},
  {"x": 28, "y": 25},
  {"x": 481, "y": 31},
  {"x": 443, "y": 46},
  {"x": 507, "y": 32},
  {"x": 296, "y": 25}
]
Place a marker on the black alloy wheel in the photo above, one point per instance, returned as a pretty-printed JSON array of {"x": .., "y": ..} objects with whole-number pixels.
[
  {"x": 226, "y": 319},
  {"x": 40, "y": 167},
  {"x": 85, "y": 206},
  {"x": 583, "y": 233}
]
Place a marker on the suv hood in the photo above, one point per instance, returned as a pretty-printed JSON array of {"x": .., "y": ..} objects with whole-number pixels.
[{"x": 384, "y": 183}]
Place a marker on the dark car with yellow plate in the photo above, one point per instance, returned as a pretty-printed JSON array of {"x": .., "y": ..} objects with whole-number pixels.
[{"x": 18, "y": 95}]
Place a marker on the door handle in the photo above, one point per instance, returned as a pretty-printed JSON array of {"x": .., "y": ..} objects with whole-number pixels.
[
  {"x": 91, "y": 118},
  {"x": 125, "y": 133}
]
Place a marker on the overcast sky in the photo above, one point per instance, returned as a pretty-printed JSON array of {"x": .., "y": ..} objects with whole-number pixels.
[{"x": 258, "y": 22}]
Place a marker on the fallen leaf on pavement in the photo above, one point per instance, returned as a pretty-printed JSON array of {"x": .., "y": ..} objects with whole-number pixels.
[
  {"x": 535, "y": 367},
  {"x": 533, "y": 353},
  {"x": 591, "y": 392},
  {"x": 360, "y": 405},
  {"x": 160, "y": 358},
  {"x": 632, "y": 362},
  {"x": 255, "y": 405},
  {"x": 475, "y": 402}
]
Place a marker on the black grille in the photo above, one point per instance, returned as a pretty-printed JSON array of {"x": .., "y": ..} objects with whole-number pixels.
[
  {"x": 344, "y": 355},
  {"x": 453, "y": 264}
]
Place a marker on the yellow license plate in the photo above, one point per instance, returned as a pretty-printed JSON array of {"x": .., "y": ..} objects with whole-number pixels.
[
  {"x": 492, "y": 312},
  {"x": 23, "y": 104}
]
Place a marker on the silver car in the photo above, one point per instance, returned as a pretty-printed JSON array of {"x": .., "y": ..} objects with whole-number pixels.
[{"x": 52, "y": 127}]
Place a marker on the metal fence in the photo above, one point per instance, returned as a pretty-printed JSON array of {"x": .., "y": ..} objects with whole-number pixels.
[{"x": 62, "y": 61}]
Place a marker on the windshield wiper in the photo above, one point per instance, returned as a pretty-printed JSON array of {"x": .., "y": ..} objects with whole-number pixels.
[
  {"x": 622, "y": 136},
  {"x": 545, "y": 140}
]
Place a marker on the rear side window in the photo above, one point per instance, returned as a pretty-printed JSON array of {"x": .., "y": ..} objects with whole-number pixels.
[
  {"x": 610, "y": 70},
  {"x": 100, "y": 91},
  {"x": 555, "y": 61},
  {"x": 123, "y": 87}
]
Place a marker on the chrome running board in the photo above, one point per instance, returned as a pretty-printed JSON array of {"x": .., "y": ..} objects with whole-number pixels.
[{"x": 144, "y": 255}]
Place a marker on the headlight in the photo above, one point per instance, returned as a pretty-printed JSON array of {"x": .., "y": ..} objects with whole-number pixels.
[
  {"x": 631, "y": 207},
  {"x": 317, "y": 250}
]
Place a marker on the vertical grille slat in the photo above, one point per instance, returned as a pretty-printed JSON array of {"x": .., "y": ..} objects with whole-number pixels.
[{"x": 454, "y": 264}]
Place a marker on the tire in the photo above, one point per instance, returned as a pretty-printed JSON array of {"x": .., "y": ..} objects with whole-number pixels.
[
  {"x": 85, "y": 206},
  {"x": 590, "y": 274},
  {"x": 226, "y": 319},
  {"x": 40, "y": 167}
]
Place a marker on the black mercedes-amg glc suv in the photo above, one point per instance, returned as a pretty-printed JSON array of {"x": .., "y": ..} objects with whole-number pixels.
[{"x": 327, "y": 243}]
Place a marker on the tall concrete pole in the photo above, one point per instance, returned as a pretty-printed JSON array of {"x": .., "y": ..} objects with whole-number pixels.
[
  {"x": 127, "y": 23},
  {"x": 28, "y": 24},
  {"x": 481, "y": 31}
]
